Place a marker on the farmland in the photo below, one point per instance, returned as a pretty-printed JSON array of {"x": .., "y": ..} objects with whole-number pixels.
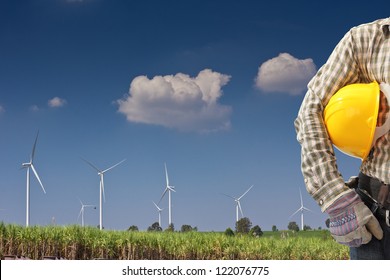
[{"x": 75, "y": 242}]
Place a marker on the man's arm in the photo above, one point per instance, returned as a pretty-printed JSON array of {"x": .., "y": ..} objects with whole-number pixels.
[{"x": 322, "y": 178}]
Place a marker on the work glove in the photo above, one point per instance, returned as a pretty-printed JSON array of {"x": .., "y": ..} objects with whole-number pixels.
[{"x": 352, "y": 222}]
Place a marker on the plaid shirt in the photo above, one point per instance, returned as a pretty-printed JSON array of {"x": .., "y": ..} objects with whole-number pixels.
[{"x": 362, "y": 56}]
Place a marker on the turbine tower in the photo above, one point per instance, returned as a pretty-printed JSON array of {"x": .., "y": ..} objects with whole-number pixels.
[
  {"x": 301, "y": 209},
  {"x": 159, "y": 213},
  {"x": 102, "y": 195},
  {"x": 82, "y": 211},
  {"x": 168, "y": 189},
  {"x": 30, "y": 165},
  {"x": 238, "y": 204}
]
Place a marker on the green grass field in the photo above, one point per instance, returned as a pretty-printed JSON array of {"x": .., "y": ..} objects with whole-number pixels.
[{"x": 75, "y": 242}]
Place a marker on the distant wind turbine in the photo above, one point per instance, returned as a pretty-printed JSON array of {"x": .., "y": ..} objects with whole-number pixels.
[
  {"x": 82, "y": 211},
  {"x": 168, "y": 189},
  {"x": 238, "y": 204},
  {"x": 102, "y": 195},
  {"x": 301, "y": 209},
  {"x": 159, "y": 213},
  {"x": 29, "y": 165}
]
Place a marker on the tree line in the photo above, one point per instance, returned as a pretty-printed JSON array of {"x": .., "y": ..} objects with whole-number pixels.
[{"x": 242, "y": 226}]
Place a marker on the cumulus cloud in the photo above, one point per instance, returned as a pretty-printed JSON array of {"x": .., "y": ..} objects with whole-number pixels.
[
  {"x": 178, "y": 101},
  {"x": 285, "y": 74},
  {"x": 56, "y": 102}
]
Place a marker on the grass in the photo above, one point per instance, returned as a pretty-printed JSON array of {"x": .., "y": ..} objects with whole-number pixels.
[{"x": 75, "y": 242}]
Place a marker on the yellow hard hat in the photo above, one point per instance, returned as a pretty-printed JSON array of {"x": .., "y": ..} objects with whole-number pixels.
[{"x": 351, "y": 117}]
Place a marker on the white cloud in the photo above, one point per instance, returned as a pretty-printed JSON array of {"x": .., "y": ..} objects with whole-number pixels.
[
  {"x": 56, "y": 102},
  {"x": 2, "y": 110},
  {"x": 178, "y": 101},
  {"x": 285, "y": 74},
  {"x": 34, "y": 108}
]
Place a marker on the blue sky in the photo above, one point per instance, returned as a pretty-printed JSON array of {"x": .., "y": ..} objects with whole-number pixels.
[{"x": 211, "y": 88}]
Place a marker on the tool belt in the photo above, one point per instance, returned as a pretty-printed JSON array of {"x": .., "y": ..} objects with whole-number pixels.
[{"x": 374, "y": 194}]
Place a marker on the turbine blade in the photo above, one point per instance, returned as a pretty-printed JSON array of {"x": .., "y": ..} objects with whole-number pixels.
[
  {"x": 245, "y": 192},
  {"x": 81, "y": 210},
  {"x": 295, "y": 212},
  {"x": 171, "y": 188},
  {"x": 228, "y": 196},
  {"x": 33, "y": 150},
  {"x": 113, "y": 166},
  {"x": 165, "y": 191},
  {"x": 102, "y": 186},
  {"x": 89, "y": 205},
  {"x": 93, "y": 166},
  {"x": 36, "y": 175},
  {"x": 158, "y": 208},
  {"x": 307, "y": 209},
  {"x": 239, "y": 206},
  {"x": 166, "y": 174}
]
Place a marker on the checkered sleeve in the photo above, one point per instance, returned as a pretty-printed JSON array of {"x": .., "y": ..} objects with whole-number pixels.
[{"x": 318, "y": 162}]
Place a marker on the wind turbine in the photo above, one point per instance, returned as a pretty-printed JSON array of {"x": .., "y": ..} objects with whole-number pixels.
[
  {"x": 29, "y": 165},
  {"x": 159, "y": 213},
  {"x": 302, "y": 208},
  {"x": 82, "y": 211},
  {"x": 238, "y": 204},
  {"x": 102, "y": 195},
  {"x": 168, "y": 189}
]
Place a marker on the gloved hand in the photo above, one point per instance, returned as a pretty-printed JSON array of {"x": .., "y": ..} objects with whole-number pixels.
[{"x": 352, "y": 222}]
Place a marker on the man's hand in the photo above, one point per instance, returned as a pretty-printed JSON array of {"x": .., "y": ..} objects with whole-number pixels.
[{"x": 351, "y": 222}]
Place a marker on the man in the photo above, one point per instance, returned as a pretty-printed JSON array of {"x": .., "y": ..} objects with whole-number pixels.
[{"x": 362, "y": 56}]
